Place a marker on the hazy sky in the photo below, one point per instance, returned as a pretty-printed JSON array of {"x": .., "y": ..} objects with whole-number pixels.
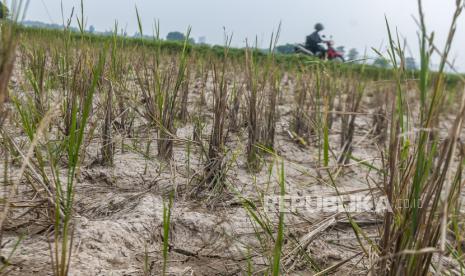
[{"x": 355, "y": 24}]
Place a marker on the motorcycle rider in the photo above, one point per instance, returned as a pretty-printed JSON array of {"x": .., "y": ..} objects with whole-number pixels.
[{"x": 313, "y": 41}]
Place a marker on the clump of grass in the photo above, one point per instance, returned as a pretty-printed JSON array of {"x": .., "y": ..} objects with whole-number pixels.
[
  {"x": 253, "y": 105},
  {"x": 274, "y": 87},
  {"x": 183, "y": 112},
  {"x": 270, "y": 235},
  {"x": 8, "y": 42},
  {"x": 380, "y": 116},
  {"x": 166, "y": 231},
  {"x": 301, "y": 123},
  {"x": 115, "y": 87},
  {"x": 234, "y": 107},
  {"x": 203, "y": 77},
  {"x": 161, "y": 86},
  {"x": 167, "y": 109},
  {"x": 42, "y": 170},
  {"x": 280, "y": 235},
  {"x": 214, "y": 173},
  {"x": 261, "y": 115},
  {"x": 420, "y": 169},
  {"x": 351, "y": 107},
  {"x": 108, "y": 149},
  {"x": 65, "y": 191},
  {"x": 37, "y": 77},
  {"x": 198, "y": 129},
  {"x": 119, "y": 66}
]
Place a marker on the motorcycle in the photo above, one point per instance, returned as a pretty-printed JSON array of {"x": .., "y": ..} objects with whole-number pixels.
[{"x": 330, "y": 54}]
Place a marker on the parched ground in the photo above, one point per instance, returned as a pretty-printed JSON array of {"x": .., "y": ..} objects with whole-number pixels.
[{"x": 119, "y": 209}]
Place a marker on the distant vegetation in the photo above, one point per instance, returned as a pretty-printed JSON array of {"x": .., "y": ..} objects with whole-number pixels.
[
  {"x": 285, "y": 49},
  {"x": 377, "y": 70}
]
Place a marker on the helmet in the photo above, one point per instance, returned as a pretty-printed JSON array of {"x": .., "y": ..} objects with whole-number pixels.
[{"x": 319, "y": 27}]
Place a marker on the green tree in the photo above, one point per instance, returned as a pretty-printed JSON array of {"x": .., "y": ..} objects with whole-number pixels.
[
  {"x": 410, "y": 63},
  {"x": 285, "y": 49},
  {"x": 91, "y": 29},
  {"x": 175, "y": 36},
  {"x": 381, "y": 62},
  {"x": 353, "y": 54}
]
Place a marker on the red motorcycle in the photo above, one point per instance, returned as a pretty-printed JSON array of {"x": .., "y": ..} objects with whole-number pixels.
[{"x": 330, "y": 54}]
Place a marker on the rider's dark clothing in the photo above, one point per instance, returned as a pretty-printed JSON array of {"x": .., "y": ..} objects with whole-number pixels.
[{"x": 312, "y": 43}]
